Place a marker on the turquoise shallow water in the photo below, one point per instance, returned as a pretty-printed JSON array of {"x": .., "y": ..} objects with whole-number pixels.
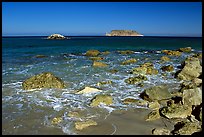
[{"x": 66, "y": 60}]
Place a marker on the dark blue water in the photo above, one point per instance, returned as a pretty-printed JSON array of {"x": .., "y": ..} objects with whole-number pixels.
[{"x": 65, "y": 59}]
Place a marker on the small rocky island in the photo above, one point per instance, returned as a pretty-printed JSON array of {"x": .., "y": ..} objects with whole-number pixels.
[
  {"x": 56, "y": 36},
  {"x": 123, "y": 33}
]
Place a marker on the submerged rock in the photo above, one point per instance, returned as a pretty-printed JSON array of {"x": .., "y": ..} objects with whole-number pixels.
[
  {"x": 165, "y": 58},
  {"x": 96, "y": 58},
  {"x": 145, "y": 69},
  {"x": 167, "y": 68},
  {"x": 99, "y": 64},
  {"x": 80, "y": 125},
  {"x": 136, "y": 79},
  {"x": 92, "y": 53},
  {"x": 126, "y": 52},
  {"x": 105, "y": 99},
  {"x": 43, "y": 80},
  {"x": 130, "y": 61},
  {"x": 40, "y": 56},
  {"x": 104, "y": 82}
]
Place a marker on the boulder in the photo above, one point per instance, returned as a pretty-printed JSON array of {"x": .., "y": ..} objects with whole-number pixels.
[
  {"x": 156, "y": 93},
  {"x": 56, "y": 120},
  {"x": 192, "y": 69},
  {"x": 104, "y": 82},
  {"x": 176, "y": 111},
  {"x": 161, "y": 131},
  {"x": 80, "y": 125},
  {"x": 145, "y": 69},
  {"x": 154, "y": 105},
  {"x": 138, "y": 102},
  {"x": 186, "y": 49},
  {"x": 153, "y": 115},
  {"x": 192, "y": 97},
  {"x": 96, "y": 58},
  {"x": 130, "y": 61},
  {"x": 56, "y": 36},
  {"x": 99, "y": 64},
  {"x": 172, "y": 52},
  {"x": 43, "y": 80},
  {"x": 87, "y": 90},
  {"x": 136, "y": 79},
  {"x": 167, "y": 68},
  {"x": 105, "y": 99},
  {"x": 92, "y": 53}
]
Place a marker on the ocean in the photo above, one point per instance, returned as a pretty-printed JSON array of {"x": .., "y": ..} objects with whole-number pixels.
[{"x": 32, "y": 112}]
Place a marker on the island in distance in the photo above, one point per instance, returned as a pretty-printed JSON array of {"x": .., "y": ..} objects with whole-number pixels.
[
  {"x": 57, "y": 36},
  {"x": 123, "y": 33}
]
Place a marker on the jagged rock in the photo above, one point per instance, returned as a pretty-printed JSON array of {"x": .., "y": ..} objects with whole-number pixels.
[
  {"x": 192, "y": 97},
  {"x": 153, "y": 115},
  {"x": 176, "y": 111},
  {"x": 136, "y": 79},
  {"x": 104, "y": 82},
  {"x": 88, "y": 90},
  {"x": 92, "y": 53},
  {"x": 186, "y": 128},
  {"x": 186, "y": 49},
  {"x": 96, "y": 58},
  {"x": 192, "y": 69},
  {"x": 56, "y": 36},
  {"x": 172, "y": 53},
  {"x": 79, "y": 125},
  {"x": 165, "y": 58},
  {"x": 99, "y": 64},
  {"x": 167, "y": 68},
  {"x": 145, "y": 69},
  {"x": 105, "y": 99},
  {"x": 161, "y": 131},
  {"x": 43, "y": 80},
  {"x": 135, "y": 101},
  {"x": 126, "y": 52},
  {"x": 139, "y": 70},
  {"x": 156, "y": 93},
  {"x": 154, "y": 105},
  {"x": 74, "y": 114},
  {"x": 130, "y": 61},
  {"x": 123, "y": 33}
]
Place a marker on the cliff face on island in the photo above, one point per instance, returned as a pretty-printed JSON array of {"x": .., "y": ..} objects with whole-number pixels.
[{"x": 123, "y": 33}]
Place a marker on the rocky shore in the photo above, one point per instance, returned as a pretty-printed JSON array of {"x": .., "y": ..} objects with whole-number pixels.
[{"x": 182, "y": 107}]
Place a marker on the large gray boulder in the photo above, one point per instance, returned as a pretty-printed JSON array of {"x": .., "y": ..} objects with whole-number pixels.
[
  {"x": 192, "y": 97},
  {"x": 43, "y": 80}
]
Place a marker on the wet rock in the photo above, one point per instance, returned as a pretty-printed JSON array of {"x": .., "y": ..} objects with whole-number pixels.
[
  {"x": 56, "y": 120},
  {"x": 105, "y": 99},
  {"x": 176, "y": 111},
  {"x": 104, "y": 82},
  {"x": 187, "y": 128},
  {"x": 135, "y": 101},
  {"x": 130, "y": 61},
  {"x": 145, "y": 69},
  {"x": 126, "y": 52},
  {"x": 139, "y": 70},
  {"x": 156, "y": 93},
  {"x": 192, "y": 97},
  {"x": 161, "y": 131},
  {"x": 80, "y": 125},
  {"x": 87, "y": 90},
  {"x": 153, "y": 115},
  {"x": 99, "y": 64},
  {"x": 96, "y": 58},
  {"x": 113, "y": 71},
  {"x": 167, "y": 68},
  {"x": 92, "y": 53},
  {"x": 43, "y": 80},
  {"x": 151, "y": 71},
  {"x": 165, "y": 58},
  {"x": 192, "y": 69},
  {"x": 172, "y": 52},
  {"x": 74, "y": 114},
  {"x": 186, "y": 49},
  {"x": 105, "y": 52},
  {"x": 136, "y": 79}
]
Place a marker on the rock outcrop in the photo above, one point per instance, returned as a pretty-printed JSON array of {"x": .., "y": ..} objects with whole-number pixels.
[
  {"x": 123, "y": 33},
  {"x": 43, "y": 80},
  {"x": 56, "y": 36}
]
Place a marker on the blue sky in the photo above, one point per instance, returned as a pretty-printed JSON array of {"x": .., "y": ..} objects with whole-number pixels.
[{"x": 97, "y": 18}]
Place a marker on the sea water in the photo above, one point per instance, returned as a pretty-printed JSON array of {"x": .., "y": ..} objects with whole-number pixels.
[{"x": 31, "y": 112}]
